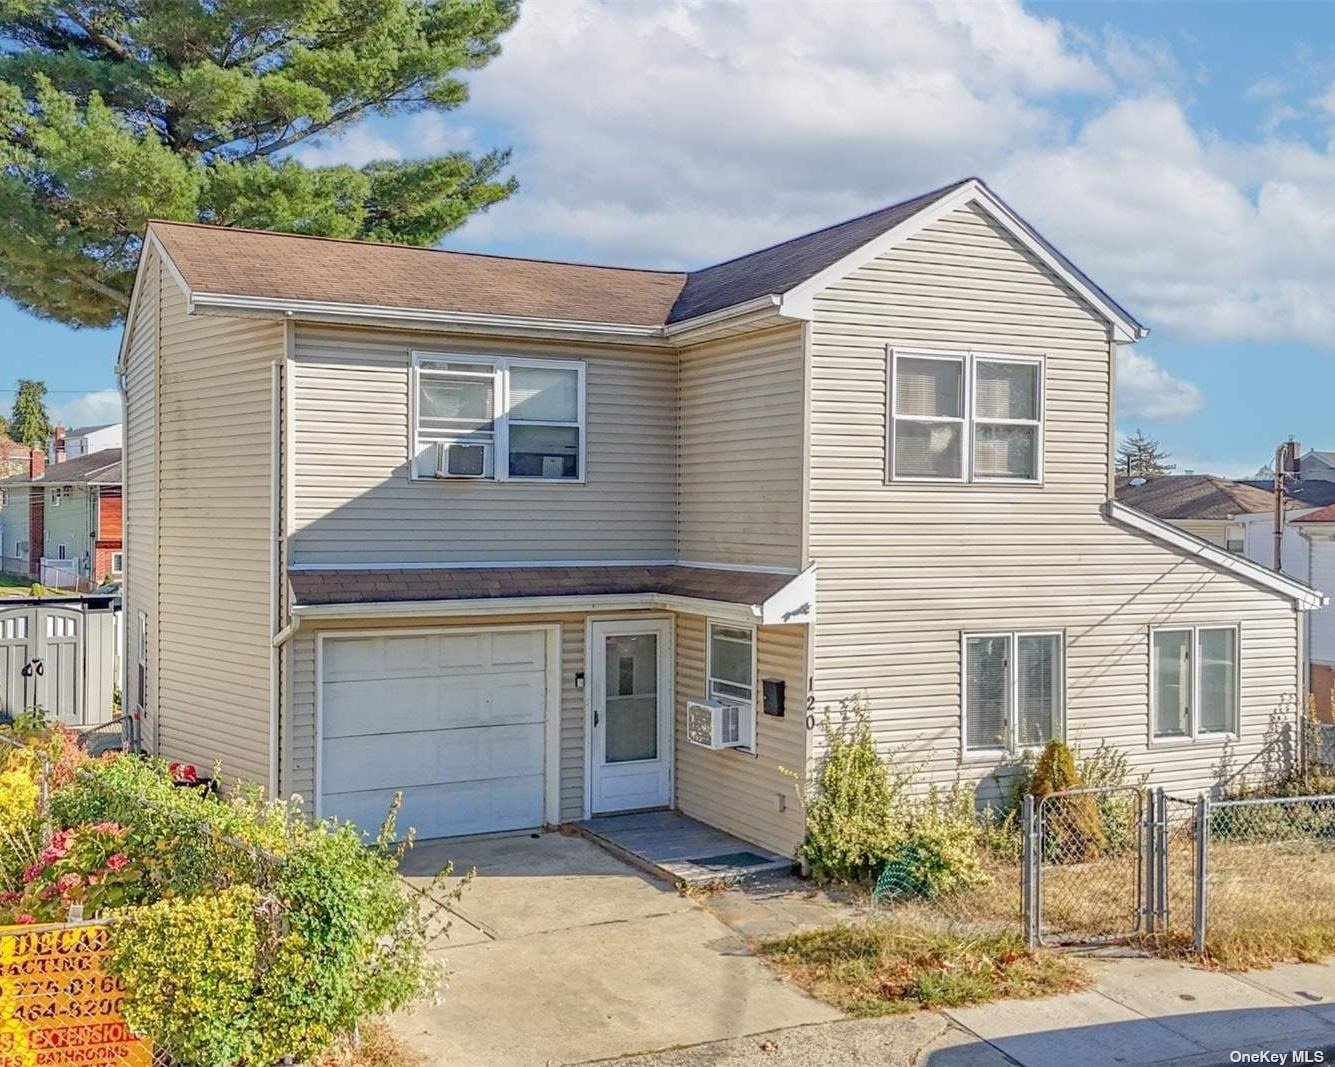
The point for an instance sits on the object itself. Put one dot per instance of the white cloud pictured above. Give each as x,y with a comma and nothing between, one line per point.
1146,391
679,132
91,409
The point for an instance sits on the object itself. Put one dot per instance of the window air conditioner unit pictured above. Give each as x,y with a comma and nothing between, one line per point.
455,459
713,725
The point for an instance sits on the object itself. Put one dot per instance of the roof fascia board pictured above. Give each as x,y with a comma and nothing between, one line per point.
527,606
370,314
701,326
1304,596
151,241
798,301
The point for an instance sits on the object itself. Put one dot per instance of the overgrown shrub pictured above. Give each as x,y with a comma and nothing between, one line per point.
853,810
1072,826
864,821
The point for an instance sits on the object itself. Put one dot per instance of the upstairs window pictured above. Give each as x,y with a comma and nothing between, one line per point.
498,419
959,417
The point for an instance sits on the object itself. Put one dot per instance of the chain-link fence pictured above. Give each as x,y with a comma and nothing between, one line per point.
1085,864
1268,872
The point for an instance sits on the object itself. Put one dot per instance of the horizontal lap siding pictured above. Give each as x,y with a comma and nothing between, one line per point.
740,452
740,791
215,538
140,488
903,569
299,747
354,502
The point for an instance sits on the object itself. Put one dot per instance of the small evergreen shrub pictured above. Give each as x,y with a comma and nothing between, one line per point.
1072,825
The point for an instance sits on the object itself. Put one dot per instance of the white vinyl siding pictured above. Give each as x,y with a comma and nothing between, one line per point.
905,568
215,594
741,450
354,502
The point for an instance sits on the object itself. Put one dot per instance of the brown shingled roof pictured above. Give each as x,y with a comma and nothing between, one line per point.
217,259
312,587
1326,514
1193,496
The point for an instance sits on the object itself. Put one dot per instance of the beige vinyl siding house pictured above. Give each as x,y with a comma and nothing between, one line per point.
538,542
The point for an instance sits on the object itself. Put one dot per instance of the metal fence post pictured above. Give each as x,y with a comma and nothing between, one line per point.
1149,859
1028,873
1202,868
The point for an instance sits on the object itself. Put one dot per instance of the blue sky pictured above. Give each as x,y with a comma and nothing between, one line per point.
1181,153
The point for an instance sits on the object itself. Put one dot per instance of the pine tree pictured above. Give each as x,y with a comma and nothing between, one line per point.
1144,456
116,111
29,424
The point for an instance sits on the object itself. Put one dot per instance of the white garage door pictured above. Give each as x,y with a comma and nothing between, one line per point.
454,720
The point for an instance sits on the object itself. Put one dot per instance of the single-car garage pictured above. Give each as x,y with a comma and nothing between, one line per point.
459,720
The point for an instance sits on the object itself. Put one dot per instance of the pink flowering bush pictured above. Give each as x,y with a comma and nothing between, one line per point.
85,865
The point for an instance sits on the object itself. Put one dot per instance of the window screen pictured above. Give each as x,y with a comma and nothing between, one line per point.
1218,701
929,418
1171,666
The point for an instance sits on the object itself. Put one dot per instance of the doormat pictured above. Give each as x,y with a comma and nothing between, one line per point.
730,861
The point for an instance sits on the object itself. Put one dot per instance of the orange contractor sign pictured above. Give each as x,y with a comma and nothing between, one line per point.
57,1006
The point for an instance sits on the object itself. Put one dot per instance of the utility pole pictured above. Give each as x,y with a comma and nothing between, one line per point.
1286,466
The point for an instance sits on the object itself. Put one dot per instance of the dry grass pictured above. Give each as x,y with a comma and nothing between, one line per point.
882,966
377,1047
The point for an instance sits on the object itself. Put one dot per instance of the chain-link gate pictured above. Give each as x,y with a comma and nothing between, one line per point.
1083,865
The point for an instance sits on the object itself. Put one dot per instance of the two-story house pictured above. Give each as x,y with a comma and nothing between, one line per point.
61,523
533,541
83,440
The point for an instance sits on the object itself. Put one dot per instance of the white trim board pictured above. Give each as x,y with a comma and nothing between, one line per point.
1304,597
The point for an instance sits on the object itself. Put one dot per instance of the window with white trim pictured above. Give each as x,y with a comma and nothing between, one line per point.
118,563
498,418
1014,690
966,416
1194,682
730,680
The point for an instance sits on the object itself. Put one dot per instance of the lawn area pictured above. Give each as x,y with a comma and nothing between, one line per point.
13,585
882,966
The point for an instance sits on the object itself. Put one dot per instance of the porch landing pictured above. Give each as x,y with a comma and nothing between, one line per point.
681,849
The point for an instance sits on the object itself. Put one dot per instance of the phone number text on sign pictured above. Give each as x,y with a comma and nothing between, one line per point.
57,1006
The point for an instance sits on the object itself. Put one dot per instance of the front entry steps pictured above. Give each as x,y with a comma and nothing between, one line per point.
680,849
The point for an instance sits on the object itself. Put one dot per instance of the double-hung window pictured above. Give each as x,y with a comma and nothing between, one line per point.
1014,690
498,418
1193,682
965,416
731,680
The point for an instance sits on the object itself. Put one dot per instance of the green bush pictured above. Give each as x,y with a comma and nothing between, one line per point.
864,821
1072,826
853,808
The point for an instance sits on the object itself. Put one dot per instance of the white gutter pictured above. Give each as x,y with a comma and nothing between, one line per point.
1307,598
412,609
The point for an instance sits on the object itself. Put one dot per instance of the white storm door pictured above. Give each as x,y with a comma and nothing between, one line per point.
630,714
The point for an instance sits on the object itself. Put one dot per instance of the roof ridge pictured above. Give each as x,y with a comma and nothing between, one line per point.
219,228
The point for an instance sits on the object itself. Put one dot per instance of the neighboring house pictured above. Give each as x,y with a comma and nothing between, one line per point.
524,539
1202,504
13,457
1317,466
1317,528
82,441
62,523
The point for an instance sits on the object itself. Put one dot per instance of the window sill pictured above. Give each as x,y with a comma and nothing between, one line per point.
1190,742
497,481
1008,483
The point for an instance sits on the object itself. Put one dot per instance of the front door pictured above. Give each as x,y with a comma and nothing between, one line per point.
630,714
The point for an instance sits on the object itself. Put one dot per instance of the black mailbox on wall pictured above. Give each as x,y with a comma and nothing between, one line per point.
773,690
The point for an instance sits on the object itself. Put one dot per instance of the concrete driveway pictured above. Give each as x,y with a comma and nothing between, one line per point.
560,953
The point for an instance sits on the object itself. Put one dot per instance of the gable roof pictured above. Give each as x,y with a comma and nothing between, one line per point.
228,268
1307,493
1192,496
79,431
102,467
1328,458
1326,514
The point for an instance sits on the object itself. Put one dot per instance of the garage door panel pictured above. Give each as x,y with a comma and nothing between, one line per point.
357,709
455,721
413,759
463,807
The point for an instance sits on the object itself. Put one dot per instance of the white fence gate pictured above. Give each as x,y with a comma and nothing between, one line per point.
58,655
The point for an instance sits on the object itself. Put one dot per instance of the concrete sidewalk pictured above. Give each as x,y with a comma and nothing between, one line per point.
1140,1011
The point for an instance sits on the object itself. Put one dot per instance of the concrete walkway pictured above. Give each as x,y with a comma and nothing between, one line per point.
1141,1011
562,953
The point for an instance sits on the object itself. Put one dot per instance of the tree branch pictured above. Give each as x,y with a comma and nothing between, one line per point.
109,43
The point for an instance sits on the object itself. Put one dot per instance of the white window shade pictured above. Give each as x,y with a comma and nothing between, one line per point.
456,403
539,394
1005,451
1038,681
931,387
987,693
1006,390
